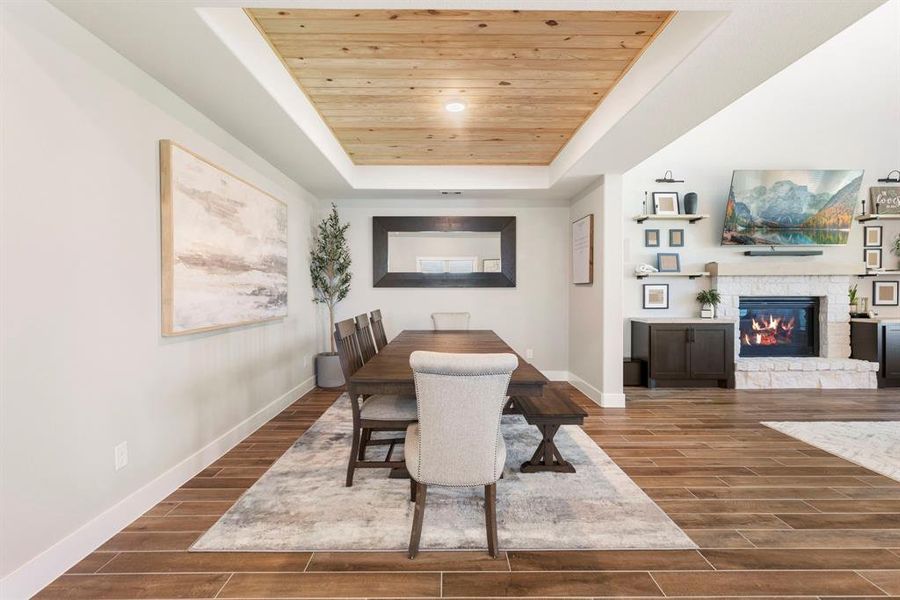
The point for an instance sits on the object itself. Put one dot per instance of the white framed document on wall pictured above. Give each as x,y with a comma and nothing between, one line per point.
583,250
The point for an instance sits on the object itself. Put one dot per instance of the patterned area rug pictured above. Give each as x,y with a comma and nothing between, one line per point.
874,445
301,502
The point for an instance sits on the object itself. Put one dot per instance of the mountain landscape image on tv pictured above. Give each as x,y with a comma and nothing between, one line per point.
791,208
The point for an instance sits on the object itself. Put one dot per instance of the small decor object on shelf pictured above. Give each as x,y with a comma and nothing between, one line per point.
853,296
885,200
668,262
676,238
651,238
491,265
329,269
709,300
691,203
872,236
886,293
656,295
666,203
895,246
872,256
644,269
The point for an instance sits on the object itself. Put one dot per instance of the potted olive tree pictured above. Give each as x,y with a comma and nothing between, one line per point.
709,300
329,268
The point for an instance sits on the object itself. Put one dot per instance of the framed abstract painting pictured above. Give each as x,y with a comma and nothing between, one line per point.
224,247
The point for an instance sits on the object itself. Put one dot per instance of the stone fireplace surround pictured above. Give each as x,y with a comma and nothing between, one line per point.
832,368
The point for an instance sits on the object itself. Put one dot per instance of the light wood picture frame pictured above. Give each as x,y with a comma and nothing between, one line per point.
872,258
666,203
872,236
886,293
583,250
656,296
224,246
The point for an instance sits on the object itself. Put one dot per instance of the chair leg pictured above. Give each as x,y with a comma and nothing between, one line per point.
490,517
354,451
412,489
418,515
363,442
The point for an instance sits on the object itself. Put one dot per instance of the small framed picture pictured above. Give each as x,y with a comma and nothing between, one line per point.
872,256
676,238
885,199
886,293
651,238
490,265
656,295
872,236
668,262
666,203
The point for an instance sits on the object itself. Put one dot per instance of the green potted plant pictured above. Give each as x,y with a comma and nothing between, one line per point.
895,246
854,299
329,268
709,300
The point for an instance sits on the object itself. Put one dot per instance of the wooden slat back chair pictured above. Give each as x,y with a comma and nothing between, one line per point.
457,441
378,330
373,413
364,335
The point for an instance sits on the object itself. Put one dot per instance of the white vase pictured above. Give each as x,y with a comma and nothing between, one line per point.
707,311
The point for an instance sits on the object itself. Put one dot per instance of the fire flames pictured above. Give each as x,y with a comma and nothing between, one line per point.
768,331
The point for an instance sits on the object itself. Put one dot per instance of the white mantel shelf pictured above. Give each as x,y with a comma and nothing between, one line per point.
780,268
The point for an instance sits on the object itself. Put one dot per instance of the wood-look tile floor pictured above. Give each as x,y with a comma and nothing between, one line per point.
773,517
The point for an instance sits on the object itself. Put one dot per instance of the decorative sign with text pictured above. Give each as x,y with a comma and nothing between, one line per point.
885,200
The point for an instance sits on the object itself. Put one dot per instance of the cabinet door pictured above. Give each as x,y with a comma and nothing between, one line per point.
668,352
891,351
709,353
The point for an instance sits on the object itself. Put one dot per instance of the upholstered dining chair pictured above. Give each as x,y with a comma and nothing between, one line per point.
378,329
457,441
364,335
373,413
450,320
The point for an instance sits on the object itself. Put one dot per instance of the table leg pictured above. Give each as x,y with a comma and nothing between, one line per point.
547,457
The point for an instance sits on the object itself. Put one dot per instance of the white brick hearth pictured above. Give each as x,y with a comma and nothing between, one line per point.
832,368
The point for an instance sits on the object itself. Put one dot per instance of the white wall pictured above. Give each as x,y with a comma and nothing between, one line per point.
534,314
838,107
83,364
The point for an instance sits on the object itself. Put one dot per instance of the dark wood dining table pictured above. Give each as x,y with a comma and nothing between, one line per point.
389,371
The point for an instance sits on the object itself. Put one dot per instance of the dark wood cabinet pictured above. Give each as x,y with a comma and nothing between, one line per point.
687,354
879,342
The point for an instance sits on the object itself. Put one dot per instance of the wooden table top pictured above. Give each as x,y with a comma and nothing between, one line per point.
391,365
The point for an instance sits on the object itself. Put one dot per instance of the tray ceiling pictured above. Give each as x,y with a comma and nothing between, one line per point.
381,79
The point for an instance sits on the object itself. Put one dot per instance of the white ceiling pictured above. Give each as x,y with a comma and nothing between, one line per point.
712,53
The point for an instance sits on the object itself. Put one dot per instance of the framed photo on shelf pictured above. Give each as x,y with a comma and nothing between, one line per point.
885,200
656,295
872,256
676,238
886,293
872,236
668,262
651,238
666,203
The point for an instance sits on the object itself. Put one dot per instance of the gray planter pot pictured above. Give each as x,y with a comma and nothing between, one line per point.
328,370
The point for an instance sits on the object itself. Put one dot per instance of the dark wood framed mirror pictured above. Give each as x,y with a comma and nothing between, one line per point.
444,251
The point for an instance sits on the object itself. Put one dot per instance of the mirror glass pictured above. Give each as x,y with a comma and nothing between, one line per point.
444,252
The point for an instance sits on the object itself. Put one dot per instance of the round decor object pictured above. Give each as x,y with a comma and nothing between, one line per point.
690,203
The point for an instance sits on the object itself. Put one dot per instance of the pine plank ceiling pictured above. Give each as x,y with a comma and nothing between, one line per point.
381,78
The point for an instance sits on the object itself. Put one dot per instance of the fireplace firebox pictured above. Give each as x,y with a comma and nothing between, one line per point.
779,326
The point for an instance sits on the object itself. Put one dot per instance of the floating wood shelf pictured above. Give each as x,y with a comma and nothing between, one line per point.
688,275
688,218
874,217
894,272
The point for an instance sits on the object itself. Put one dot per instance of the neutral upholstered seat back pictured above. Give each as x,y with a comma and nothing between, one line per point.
460,400
450,320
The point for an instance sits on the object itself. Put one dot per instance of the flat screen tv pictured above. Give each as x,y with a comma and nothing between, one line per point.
790,208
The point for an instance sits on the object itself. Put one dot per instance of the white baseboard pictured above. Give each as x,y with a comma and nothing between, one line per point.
34,575
556,375
604,399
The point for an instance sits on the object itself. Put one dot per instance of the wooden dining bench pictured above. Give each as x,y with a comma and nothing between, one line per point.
548,413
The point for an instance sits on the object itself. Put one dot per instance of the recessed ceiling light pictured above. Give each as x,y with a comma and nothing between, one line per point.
455,106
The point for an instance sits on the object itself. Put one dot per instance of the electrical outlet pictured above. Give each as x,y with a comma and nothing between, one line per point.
121,452
529,354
